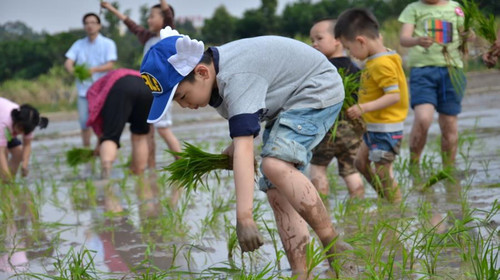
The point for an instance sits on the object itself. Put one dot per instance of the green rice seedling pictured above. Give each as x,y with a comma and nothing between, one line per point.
315,255
379,256
74,265
351,86
264,274
194,165
484,257
486,27
231,238
212,221
82,72
471,12
278,253
77,156
436,177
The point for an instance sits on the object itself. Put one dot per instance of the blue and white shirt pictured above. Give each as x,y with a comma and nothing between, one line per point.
101,51
257,78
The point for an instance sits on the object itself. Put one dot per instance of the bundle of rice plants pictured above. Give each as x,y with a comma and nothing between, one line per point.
351,86
436,177
471,11
77,156
193,166
82,72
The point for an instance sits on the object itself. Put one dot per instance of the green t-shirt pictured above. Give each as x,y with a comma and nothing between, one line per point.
440,22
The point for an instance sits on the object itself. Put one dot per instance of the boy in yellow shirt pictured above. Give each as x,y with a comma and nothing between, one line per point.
383,99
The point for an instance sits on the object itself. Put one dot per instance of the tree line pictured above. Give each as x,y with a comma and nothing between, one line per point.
27,54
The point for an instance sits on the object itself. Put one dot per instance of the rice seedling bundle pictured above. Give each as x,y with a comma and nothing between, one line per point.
194,165
351,86
441,175
77,156
81,72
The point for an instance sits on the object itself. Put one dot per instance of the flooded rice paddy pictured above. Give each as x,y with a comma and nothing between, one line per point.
65,223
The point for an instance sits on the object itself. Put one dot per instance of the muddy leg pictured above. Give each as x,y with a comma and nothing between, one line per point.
302,196
424,115
108,151
319,178
389,185
292,230
364,167
449,139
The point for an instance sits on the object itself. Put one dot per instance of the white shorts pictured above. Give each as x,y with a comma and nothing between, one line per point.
166,120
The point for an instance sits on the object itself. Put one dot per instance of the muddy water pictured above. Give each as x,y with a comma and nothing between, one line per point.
195,239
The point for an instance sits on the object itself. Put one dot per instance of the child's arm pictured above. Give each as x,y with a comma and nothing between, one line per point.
26,156
5,175
387,100
249,236
168,16
406,38
142,33
112,9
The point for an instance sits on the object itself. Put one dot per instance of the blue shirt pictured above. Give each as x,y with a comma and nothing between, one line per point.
101,51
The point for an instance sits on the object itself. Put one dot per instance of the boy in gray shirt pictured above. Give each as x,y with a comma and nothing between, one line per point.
281,81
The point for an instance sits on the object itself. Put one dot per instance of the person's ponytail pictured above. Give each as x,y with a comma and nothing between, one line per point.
43,122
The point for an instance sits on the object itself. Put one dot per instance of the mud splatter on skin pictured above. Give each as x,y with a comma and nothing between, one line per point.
293,241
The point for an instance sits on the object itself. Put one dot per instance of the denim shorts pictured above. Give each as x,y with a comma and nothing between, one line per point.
294,133
383,146
83,111
433,85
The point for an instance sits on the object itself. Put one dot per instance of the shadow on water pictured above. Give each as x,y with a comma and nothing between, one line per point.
130,229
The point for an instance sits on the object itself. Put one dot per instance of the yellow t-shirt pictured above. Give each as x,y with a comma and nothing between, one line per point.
384,74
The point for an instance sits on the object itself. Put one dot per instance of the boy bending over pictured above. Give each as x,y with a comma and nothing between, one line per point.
285,83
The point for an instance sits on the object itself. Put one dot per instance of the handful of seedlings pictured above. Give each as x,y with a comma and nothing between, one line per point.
194,165
81,72
77,156
351,83
436,177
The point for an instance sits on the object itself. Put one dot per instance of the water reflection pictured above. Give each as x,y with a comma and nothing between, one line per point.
123,245
23,238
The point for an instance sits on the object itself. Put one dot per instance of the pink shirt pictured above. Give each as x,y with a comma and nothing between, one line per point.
6,131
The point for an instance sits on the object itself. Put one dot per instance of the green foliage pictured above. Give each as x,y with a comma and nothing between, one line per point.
351,86
53,91
220,28
194,165
28,59
17,30
78,156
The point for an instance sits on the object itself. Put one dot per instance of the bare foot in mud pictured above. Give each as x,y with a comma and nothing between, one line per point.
343,264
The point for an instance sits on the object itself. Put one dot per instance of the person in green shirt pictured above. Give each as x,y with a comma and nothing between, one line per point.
432,29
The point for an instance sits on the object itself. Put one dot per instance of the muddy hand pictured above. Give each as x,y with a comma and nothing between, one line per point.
249,236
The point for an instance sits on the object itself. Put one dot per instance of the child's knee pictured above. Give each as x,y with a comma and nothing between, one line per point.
16,153
270,166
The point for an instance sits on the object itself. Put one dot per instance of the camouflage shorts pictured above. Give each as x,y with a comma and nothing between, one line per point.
344,147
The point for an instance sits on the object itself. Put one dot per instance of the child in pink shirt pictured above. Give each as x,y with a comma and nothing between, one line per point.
16,120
